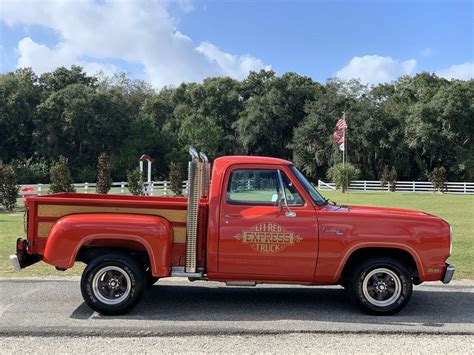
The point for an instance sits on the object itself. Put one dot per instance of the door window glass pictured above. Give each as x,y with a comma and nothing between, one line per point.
260,188
293,197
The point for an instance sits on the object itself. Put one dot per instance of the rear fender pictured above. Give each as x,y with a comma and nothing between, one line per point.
128,231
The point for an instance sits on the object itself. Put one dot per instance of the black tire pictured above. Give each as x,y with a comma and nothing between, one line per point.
381,286
112,283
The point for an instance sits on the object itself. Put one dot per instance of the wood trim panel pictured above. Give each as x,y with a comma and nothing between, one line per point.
64,210
44,228
179,235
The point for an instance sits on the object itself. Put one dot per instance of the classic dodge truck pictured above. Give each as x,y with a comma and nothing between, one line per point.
255,220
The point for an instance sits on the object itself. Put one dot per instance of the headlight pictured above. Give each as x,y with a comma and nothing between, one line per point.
450,239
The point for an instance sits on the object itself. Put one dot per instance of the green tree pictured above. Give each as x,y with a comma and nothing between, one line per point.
202,132
266,124
63,77
60,176
136,182
313,150
384,177
176,179
343,174
393,179
8,187
80,122
19,96
104,180
31,171
438,178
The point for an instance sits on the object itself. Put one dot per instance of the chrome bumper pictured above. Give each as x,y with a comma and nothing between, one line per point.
15,262
448,275
23,258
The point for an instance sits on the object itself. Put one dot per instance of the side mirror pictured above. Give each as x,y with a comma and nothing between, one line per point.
282,203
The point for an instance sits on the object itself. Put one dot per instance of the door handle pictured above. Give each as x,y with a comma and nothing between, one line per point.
231,215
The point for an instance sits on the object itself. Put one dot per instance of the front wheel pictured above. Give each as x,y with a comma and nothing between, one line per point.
112,283
381,286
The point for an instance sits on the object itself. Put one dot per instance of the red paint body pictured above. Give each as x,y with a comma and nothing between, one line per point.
311,248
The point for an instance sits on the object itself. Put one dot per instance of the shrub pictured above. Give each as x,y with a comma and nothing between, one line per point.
8,187
60,176
342,175
438,178
29,171
135,182
176,179
393,179
384,177
104,180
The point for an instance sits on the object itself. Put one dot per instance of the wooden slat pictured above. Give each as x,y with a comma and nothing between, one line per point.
64,210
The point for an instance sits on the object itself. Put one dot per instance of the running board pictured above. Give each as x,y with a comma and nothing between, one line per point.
241,283
179,271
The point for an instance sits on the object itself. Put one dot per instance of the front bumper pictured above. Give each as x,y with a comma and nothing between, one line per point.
22,258
448,275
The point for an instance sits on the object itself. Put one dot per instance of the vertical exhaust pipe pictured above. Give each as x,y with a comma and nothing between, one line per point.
205,175
194,194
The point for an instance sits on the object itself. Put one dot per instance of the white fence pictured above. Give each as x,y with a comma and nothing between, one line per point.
402,186
162,188
157,188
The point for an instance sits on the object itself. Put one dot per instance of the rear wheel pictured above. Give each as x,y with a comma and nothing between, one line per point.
112,283
381,286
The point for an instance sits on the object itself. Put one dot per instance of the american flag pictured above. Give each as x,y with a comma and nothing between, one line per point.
338,136
341,123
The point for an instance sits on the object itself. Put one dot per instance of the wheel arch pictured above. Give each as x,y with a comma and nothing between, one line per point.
77,237
357,255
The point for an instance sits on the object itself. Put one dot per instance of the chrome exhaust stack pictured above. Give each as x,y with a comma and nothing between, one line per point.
198,187
205,175
194,195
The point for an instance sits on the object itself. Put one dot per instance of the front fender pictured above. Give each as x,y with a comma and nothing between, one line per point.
137,232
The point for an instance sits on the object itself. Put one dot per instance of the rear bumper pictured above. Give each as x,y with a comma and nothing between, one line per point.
22,258
448,275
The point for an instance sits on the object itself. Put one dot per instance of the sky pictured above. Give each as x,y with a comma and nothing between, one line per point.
170,42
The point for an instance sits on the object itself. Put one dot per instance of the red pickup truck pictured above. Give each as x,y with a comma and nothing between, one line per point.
255,220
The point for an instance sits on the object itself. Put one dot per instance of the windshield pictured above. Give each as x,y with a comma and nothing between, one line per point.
315,195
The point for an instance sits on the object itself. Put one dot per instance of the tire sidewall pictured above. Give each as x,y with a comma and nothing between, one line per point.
358,280
127,265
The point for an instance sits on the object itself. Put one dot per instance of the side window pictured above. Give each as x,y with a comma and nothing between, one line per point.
253,187
293,197
260,188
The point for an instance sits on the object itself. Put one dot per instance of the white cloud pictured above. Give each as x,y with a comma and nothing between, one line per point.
374,69
139,32
231,65
460,71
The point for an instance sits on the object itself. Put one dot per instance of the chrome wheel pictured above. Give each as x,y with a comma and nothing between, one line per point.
111,285
381,287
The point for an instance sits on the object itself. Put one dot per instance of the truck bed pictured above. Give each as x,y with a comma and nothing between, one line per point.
45,210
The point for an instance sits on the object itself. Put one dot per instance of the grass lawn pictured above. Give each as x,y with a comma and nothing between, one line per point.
456,209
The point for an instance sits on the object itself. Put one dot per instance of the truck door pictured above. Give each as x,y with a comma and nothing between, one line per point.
258,236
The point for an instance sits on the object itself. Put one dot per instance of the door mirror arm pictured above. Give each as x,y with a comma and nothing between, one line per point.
282,201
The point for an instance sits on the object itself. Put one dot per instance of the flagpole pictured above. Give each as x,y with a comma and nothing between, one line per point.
344,140
344,150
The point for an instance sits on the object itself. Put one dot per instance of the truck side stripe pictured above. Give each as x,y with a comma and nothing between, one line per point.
64,210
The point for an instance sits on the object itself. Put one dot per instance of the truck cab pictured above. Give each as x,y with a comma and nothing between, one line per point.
251,220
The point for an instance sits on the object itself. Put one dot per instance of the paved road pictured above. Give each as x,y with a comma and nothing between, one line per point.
37,307
245,344
47,316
